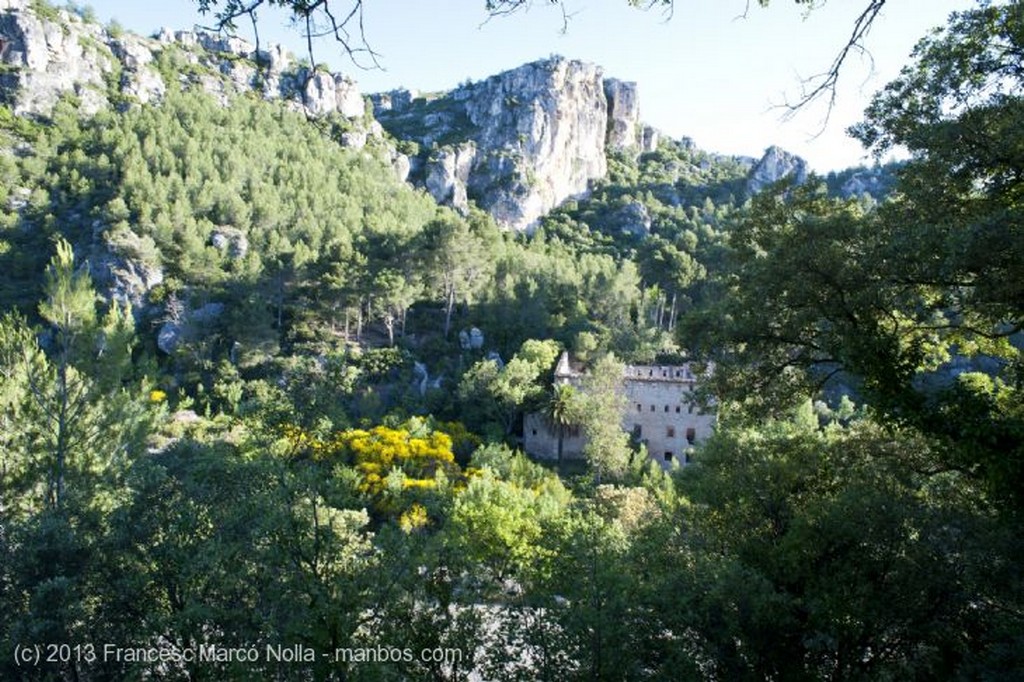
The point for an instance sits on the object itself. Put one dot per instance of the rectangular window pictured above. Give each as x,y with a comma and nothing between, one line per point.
677,409
668,456
691,435
652,408
666,408
671,432
637,431
638,407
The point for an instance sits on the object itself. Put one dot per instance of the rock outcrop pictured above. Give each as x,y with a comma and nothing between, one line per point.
775,165
124,265
876,182
649,139
633,218
540,135
393,101
46,55
192,324
447,175
230,240
326,93
139,80
623,113
42,59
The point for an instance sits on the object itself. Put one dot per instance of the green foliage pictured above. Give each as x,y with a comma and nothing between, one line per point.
409,123
498,525
44,10
494,398
898,297
833,545
64,403
599,413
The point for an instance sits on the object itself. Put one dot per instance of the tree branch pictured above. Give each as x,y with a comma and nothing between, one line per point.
825,84
318,20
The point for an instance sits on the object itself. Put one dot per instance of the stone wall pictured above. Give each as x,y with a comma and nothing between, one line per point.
662,413
541,441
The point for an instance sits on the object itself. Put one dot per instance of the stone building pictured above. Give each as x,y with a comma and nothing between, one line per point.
660,412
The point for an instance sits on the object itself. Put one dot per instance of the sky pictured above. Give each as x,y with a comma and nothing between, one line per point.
715,70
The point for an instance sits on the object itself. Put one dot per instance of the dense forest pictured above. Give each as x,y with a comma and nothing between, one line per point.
239,412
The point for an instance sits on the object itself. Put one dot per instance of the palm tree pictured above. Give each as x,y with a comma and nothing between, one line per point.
561,412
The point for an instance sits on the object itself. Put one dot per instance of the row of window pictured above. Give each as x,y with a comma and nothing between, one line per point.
654,408
666,373
670,432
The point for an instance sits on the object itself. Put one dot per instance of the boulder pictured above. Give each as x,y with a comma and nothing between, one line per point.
230,240
125,265
193,324
633,218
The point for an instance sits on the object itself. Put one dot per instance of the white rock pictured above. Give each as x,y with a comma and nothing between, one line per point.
623,113
540,132
447,174
775,165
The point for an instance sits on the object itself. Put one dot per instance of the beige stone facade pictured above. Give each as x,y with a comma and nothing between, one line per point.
660,412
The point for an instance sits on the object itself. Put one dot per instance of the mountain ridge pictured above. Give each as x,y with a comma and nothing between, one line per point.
517,144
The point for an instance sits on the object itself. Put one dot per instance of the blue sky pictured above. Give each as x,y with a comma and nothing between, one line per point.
707,72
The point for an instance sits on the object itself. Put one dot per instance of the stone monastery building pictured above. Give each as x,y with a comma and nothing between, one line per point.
660,412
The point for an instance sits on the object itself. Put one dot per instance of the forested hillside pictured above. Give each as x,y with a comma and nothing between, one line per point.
260,394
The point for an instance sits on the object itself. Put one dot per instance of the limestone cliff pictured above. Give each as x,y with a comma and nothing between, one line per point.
47,53
43,57
540,134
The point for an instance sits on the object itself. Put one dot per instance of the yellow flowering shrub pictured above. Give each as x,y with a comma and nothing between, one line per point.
413,518
378,451
390,461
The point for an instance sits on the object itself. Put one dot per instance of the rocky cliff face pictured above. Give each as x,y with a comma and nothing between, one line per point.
775,165
45,54
43,58
48,53
539,134
518,144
